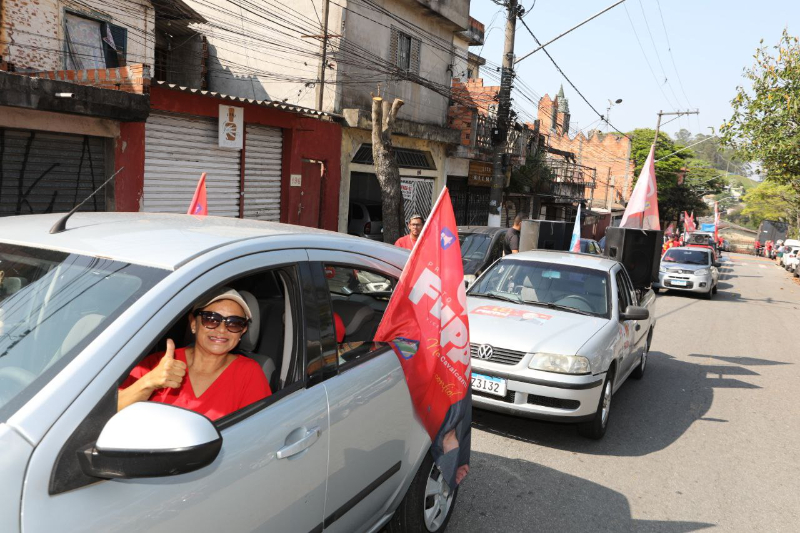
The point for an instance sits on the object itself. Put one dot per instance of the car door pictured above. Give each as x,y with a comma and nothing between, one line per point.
248,487
375,442
625,298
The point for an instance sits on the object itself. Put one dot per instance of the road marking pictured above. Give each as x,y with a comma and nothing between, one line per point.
761,266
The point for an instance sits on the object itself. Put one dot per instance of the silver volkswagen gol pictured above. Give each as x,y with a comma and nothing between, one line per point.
555,334
688,269
336,447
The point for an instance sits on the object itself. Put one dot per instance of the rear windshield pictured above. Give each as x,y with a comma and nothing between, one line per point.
375,212
52,304
474,245
687,257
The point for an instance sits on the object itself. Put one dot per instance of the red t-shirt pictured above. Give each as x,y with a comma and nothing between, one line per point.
405,242
240,384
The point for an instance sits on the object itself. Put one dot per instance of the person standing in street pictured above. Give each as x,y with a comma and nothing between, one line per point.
415,224
671,243
511,240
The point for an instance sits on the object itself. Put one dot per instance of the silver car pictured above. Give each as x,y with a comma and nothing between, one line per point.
554,334
335,448
688,269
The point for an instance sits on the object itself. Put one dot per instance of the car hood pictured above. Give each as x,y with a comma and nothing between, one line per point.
529,328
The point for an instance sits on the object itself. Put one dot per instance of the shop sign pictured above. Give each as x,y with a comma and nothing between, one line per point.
231,127
480,174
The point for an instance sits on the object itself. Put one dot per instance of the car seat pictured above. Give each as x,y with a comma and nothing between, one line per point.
250,340
357,318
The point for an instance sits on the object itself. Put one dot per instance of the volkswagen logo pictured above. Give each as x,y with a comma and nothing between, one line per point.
485,352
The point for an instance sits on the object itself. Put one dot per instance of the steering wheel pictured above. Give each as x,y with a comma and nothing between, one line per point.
584,303
12,380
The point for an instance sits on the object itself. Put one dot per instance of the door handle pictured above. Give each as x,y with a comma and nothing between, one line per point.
296,447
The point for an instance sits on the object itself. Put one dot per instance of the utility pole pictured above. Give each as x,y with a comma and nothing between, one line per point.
324,62
500,131
661,113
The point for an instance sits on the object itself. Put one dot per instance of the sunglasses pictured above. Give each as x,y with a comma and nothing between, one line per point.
212,320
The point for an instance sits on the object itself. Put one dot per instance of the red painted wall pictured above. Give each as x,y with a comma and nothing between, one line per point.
129,153
303,138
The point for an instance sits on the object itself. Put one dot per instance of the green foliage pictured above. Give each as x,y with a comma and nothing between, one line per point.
528,177
770,201
764,125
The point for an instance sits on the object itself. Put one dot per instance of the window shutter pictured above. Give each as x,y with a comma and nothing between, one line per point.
416,44
393,47
115,58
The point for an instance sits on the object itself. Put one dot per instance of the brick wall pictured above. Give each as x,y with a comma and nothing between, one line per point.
131,79
609,154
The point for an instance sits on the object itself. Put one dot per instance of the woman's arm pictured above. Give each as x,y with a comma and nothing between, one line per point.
168,373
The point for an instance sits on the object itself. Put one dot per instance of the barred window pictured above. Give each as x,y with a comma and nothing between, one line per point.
404,51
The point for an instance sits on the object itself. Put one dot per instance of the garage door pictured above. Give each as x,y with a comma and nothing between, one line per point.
262,172
178,149
43,172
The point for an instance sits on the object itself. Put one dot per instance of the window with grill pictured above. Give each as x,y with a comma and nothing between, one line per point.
404,51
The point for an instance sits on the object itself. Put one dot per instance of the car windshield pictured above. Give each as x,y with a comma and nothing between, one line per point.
551,285
686,257
474,245
52,304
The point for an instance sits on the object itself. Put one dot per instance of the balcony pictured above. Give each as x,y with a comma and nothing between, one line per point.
474,34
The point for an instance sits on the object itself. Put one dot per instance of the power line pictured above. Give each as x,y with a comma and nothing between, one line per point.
672,57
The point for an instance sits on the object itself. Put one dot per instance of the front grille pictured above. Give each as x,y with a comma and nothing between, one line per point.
508,398
555,403
499,355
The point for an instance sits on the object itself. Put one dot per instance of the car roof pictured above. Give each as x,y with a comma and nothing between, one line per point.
489,230
592,261
694,248
168,240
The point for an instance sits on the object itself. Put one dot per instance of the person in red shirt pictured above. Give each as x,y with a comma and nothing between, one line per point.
415,224
207,377
671,243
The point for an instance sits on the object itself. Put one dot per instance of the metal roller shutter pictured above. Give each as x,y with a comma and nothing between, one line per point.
178,149
42,172
262,172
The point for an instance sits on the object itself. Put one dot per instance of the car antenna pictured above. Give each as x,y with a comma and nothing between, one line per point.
61,224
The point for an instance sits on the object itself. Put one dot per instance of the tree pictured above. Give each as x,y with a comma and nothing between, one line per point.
383,118
770,201
764,125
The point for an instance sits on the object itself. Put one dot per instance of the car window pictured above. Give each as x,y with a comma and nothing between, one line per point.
375,212
623,292
271,340
498,247
52,304
358,300
687,256
474,245
356,212
546,285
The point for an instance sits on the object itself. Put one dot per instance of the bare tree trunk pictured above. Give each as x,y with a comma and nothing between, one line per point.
383,117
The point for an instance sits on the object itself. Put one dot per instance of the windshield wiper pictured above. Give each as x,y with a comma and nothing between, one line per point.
551,305
497,296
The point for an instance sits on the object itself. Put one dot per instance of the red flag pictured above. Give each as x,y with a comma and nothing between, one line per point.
642,209
670,229
426,324
688,222
199,205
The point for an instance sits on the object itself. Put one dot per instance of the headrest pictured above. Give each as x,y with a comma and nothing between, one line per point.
250,337
353,314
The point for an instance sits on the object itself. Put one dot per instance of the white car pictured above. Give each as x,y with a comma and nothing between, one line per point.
554,334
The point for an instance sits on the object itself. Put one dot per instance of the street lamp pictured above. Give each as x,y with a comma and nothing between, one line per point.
608,109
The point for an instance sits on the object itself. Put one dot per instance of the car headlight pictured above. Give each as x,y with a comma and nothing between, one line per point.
701,272
562,364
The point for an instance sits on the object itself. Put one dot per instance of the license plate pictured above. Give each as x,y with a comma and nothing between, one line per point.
679,282
489,384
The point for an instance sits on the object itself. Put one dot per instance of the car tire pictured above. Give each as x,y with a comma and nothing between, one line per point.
708,295
715,289
416,512
596,427
638,373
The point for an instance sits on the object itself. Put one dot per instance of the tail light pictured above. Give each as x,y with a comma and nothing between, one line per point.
367,227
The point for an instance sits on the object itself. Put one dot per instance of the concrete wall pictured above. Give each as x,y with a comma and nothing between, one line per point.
353,138
32,32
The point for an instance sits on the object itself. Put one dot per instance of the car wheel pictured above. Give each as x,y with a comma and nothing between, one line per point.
428,504
639,372
708,294
596,427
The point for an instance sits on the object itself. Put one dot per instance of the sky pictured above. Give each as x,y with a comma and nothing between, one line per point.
711,42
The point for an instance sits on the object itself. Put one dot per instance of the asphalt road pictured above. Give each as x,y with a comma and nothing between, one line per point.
708,439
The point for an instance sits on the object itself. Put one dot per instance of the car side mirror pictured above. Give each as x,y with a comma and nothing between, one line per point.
150,439
634,312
